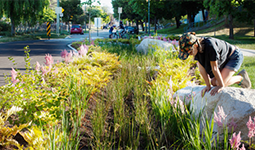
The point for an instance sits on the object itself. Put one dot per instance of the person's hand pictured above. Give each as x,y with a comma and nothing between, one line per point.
216,90
206,89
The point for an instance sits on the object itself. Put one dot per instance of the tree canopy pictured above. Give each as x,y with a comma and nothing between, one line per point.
22,11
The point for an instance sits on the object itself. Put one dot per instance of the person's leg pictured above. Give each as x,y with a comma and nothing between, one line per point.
228,78
234,64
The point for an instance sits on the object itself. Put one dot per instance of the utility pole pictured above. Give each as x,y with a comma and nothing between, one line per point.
85,17
89,26
57,29
149,15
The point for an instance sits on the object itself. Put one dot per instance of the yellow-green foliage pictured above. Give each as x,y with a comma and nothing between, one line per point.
34,138
177,70
7,133
40,95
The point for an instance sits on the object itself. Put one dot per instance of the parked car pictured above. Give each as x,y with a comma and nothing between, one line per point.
131,29
106,26
76,29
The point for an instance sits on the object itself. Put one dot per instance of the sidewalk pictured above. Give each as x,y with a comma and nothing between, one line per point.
248,52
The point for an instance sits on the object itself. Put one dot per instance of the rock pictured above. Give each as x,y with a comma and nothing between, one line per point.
237,103
147,44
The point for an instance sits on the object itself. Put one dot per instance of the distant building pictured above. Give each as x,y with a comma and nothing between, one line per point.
199,16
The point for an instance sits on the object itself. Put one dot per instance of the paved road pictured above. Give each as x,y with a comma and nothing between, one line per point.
38,50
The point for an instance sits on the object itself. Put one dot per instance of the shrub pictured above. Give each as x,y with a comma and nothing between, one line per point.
4,26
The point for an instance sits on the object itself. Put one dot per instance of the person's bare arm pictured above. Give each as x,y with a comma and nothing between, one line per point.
217,75
205,77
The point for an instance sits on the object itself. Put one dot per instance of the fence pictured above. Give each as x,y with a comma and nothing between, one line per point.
194,26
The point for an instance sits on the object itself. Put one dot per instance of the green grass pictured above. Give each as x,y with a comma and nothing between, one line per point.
17,38
248,65
32,36
53,35
173,30
243,34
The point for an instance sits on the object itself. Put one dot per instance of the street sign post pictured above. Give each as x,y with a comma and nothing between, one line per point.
97,22
48,30
58,11
119,11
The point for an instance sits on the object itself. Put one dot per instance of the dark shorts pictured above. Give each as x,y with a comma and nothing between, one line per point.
235,60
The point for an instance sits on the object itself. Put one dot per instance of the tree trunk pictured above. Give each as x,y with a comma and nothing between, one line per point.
231,30
13,24
137,26
142,25
155,24
203,14
254,26
177,21
146,27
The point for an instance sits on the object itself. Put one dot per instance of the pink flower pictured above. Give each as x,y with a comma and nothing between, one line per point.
221,113
64,54
232,124
69,56
37,67
83,50
242,148
159,38
76,54
164,39
217,119
56,70
235,141
49,60
174,42
14,75
251,126
44,70
169,41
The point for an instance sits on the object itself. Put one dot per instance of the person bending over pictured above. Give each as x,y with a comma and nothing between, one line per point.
217,61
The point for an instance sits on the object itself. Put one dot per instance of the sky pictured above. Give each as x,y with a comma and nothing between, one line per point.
107,3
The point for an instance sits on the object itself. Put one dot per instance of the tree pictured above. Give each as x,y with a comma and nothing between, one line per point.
246,12
226,7
48,15
72,10
18,10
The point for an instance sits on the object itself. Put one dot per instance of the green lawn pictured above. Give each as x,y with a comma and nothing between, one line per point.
32,36
243,34
248,65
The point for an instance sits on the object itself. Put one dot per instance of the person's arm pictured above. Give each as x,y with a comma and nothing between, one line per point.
204,74
206,79
217,75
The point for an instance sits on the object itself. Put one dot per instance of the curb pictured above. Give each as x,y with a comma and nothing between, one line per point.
72,48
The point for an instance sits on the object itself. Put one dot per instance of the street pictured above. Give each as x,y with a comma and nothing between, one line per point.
38,49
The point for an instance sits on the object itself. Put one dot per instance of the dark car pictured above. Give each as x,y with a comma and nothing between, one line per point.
105,26
131,29
76,29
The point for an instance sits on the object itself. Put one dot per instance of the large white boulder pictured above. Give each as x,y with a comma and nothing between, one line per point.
237,103
149,44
